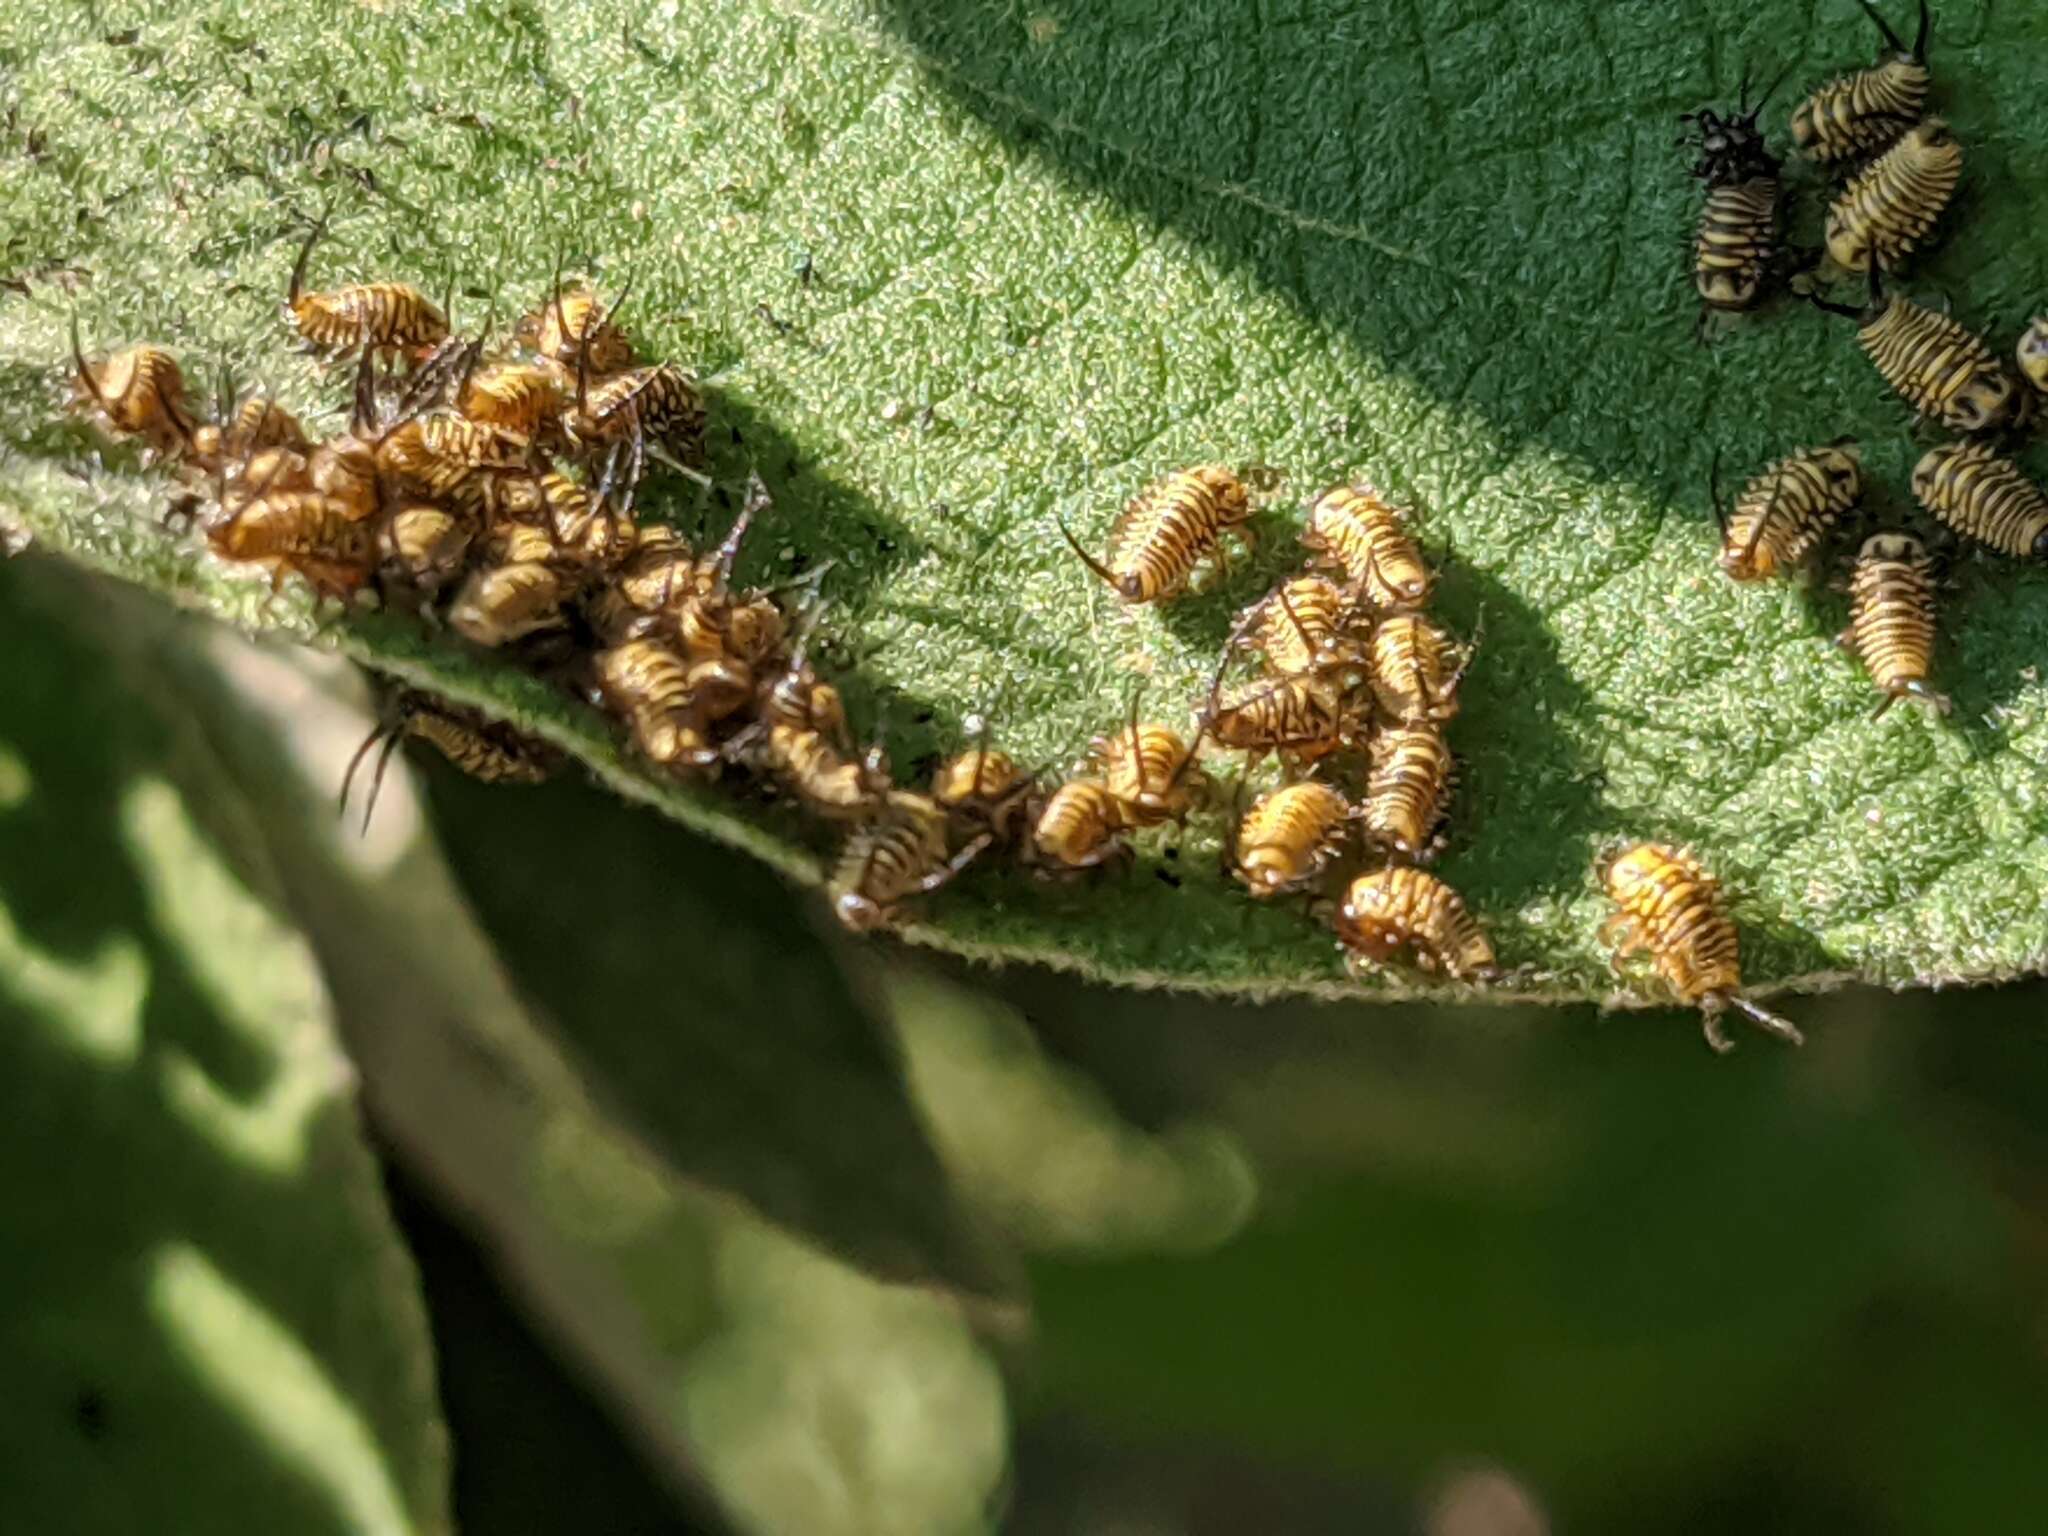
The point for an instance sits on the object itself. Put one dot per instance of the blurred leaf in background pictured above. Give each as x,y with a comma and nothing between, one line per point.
207,1320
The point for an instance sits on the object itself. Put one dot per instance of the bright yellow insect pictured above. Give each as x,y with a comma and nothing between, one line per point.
1671,907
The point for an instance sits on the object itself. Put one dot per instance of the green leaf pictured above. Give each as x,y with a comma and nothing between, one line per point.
208,1320
1053,254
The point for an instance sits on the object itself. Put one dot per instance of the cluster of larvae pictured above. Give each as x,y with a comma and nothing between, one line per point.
1353,687
1904,167
489,487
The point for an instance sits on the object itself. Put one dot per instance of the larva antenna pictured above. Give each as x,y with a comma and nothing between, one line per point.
1093,564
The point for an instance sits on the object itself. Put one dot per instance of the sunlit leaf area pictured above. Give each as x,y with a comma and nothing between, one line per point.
531,1158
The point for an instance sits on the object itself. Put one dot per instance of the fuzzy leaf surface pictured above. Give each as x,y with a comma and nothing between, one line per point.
952,269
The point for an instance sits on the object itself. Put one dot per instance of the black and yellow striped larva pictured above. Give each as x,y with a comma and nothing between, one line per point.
655,570
1670,906
648,685
1149,771
2032,354
520,398
1410,785
658,410
983,787
303,531
257,424
1303,718
900,855
1932,363
1861,113
438,453
1289,837
1305,624
264,471
425,545
572,324
829,783
1079,827
1168,529
1891,619
505,602
1786,509
1886,212
1403,911
583,528
1983,495
1416,670
482,748
1735,244
372,318
1356,530
136,392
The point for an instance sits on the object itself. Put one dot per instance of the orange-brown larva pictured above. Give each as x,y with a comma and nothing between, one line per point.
1401,910
1787,508
1669,906
1366,537
1168,529
1287,839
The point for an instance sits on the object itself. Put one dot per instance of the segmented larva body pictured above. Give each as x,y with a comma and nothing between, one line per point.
1302,718
978,774
1891,618
899,855
1860,113
345,468
495,754
426,543
1937,367
138,392
258,425
301,531
1669,906
522,544
503,603
513,397
716,625
802,700
266,470
1078,826
294,525
985,787
649,686
1169,528
1305,625
1983,495
1148,771
1412,772
1289,837
1415,675
385,317
2032,354
584,530
1889,208
557,330
1366,537
832,785
438,453
662,403
1736,243
1786,510
1402,909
